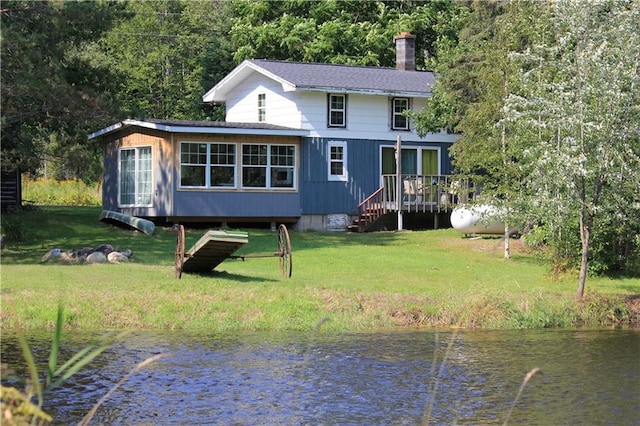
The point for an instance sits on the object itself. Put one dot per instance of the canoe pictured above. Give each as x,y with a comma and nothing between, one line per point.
120,219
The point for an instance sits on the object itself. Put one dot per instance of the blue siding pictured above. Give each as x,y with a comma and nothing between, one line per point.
321,196
236,204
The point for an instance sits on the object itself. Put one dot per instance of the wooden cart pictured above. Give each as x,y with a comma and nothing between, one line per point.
214,247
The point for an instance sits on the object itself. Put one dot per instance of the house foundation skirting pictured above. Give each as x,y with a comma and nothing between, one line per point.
324,222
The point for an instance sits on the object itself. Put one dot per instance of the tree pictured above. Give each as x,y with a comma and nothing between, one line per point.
341,32
160,49
51,94
542,94
476,75
581,97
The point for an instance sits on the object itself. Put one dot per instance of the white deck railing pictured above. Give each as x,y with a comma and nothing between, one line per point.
423,193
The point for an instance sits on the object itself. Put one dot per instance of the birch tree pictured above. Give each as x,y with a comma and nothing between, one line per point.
580,102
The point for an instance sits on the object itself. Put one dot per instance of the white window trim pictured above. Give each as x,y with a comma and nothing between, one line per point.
343,110
137,170
394,114
419,165
268,167
262,107
345,173
208,165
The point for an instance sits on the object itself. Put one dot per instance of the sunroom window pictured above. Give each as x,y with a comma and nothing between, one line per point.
268,166
134,176
207,165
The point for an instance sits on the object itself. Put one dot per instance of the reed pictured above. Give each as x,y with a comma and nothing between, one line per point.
18,406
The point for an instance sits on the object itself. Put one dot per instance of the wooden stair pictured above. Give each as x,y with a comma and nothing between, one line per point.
369,211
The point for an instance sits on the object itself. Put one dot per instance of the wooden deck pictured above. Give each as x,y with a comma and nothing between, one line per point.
433,194
212,249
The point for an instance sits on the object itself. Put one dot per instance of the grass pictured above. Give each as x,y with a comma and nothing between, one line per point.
357,281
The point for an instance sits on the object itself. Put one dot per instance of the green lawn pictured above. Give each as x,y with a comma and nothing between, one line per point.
357,281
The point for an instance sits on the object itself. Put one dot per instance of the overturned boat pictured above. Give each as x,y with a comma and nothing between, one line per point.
124,220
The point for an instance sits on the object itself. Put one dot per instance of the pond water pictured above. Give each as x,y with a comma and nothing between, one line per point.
390,378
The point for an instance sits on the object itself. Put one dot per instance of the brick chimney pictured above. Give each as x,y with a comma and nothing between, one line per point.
405,51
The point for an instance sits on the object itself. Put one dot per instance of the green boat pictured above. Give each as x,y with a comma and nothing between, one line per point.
120,219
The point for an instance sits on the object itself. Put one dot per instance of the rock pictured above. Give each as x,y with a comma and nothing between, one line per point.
102,254
97,257
85,251
68,258
51,255
117,257
105,248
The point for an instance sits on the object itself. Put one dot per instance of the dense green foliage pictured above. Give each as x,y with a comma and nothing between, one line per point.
70,68
545,97
51,92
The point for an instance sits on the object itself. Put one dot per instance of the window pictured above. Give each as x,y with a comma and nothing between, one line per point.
268,166
207,165
135,176
415,161
262,107
337,111
400,121
337,154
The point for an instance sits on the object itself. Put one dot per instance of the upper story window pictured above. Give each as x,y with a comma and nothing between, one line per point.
337,153
398,119
337,111
262,107
134,176
207,165
268,166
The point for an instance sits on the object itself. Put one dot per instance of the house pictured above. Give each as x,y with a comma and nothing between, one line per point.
303,143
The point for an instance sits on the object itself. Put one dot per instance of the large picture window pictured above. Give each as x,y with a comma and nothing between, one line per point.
207,165
337,111
268,166
337,153
135,183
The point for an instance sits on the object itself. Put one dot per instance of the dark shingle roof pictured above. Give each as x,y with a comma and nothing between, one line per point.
350,78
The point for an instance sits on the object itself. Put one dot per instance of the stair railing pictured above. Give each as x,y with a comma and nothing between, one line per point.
370,209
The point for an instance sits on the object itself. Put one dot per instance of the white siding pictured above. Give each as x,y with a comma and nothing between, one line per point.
281,109
368,116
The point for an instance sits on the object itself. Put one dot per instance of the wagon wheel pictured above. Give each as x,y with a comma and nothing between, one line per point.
284,251
179,251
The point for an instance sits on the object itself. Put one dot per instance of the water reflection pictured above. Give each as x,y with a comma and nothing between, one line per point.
589,377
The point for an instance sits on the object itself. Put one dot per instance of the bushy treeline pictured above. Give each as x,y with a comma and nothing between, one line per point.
70,68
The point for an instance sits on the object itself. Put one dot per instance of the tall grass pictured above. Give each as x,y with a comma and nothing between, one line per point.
50,192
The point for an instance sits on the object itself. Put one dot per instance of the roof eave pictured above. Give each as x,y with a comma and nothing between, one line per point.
196,129
218,93
364,91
